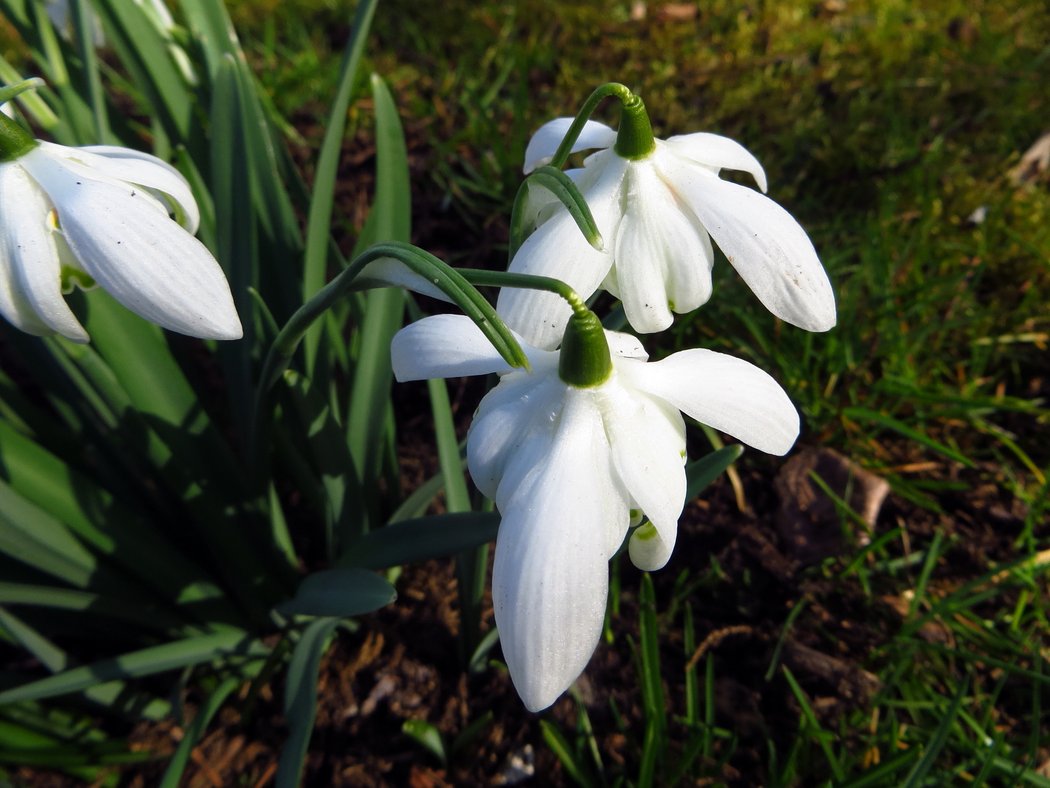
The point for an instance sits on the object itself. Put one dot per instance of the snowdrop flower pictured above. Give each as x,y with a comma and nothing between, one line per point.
107,215
569,450
657,205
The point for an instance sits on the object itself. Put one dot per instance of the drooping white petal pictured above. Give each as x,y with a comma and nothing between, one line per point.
545,142
650,548
390,272
443,346
723,392
550,577
766,246
647,438
718,153
558,249
146,170
663,258
507,418
14,306
33,258
133,250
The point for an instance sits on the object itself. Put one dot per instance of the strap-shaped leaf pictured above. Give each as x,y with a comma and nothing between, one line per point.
318,224
702,472
339,593
300,698
411,541
145,662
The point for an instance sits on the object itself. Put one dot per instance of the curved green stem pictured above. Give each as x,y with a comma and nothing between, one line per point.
478,276
602,92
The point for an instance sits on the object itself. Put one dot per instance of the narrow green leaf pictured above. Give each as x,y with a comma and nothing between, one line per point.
649,658
890,423
145,53
339,593
412,541
318,225
145,662
300,698
177,765
389,220
33,537
563,752
933,748
428,736
235,230
702,472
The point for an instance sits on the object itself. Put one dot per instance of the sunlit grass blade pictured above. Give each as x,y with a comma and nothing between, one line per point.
811,724
300,698
933,748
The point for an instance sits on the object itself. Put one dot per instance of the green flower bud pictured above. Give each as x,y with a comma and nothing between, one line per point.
14,140
634,139
585,361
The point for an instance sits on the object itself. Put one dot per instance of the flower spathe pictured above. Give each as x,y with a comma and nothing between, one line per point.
121,218
657,215
566,465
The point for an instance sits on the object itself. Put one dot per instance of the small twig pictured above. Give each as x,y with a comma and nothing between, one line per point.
714,639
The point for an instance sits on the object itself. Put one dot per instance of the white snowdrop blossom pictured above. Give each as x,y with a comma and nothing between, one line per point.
567,465
112,216
657,215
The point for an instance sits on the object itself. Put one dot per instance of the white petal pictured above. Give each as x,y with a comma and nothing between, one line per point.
550,576
767,247
717,152
558,249
647,438
650,548
545,142
13,304
390,272
726,393
509,416
147,262
663,258
444,346
34,274
625,345
146,170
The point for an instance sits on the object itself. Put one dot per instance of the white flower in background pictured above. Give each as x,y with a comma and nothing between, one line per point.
566,465
113,215
657,215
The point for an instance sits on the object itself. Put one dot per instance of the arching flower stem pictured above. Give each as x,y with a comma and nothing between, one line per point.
635,137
